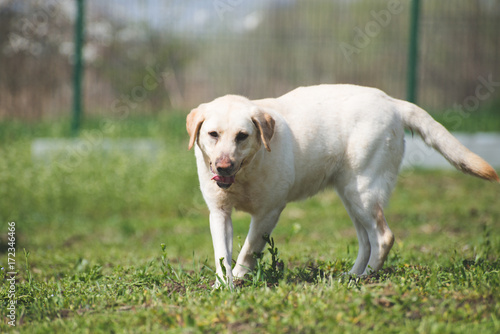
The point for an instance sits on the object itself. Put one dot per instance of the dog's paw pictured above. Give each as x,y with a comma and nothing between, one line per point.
239,272
222,284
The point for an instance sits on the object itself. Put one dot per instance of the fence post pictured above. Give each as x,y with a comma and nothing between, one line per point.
78,68
412,78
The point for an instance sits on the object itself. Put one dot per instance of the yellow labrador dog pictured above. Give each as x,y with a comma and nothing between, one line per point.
256,156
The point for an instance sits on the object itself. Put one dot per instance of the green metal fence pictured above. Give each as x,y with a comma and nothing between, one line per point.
151,56
78,67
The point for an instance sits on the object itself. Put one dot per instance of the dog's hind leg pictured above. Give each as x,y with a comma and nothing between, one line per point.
381,240
365,183
364,203
363,240
363,250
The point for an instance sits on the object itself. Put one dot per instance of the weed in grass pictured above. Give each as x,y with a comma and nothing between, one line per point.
485,248
28,272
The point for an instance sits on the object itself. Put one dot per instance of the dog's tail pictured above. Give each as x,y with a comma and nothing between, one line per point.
436,136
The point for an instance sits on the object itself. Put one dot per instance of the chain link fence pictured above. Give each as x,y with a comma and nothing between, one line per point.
149,56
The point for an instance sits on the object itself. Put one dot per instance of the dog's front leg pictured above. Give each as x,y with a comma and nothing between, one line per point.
261,225
221,228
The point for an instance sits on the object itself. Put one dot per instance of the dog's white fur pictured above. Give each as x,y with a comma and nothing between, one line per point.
279,150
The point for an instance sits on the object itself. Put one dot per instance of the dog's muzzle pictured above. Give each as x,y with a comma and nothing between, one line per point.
223,181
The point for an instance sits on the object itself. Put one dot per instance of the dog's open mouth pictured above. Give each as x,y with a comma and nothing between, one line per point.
223,182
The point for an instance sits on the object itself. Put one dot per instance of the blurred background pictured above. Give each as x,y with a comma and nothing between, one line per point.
152,56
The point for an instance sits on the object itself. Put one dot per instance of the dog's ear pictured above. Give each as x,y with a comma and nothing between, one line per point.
193,124
265,124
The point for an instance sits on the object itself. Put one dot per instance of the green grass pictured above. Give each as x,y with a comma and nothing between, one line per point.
123,245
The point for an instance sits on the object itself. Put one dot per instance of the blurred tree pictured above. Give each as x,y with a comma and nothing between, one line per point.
32,69
139,56
126,61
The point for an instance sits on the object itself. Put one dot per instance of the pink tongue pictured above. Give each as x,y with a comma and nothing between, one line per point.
224,179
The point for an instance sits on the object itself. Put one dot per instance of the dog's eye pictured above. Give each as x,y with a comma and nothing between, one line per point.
241,136
214,134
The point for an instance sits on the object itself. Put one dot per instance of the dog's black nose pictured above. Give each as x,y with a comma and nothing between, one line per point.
225,171
224,166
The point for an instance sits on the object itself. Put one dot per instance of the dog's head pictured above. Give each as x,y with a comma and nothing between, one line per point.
229,131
